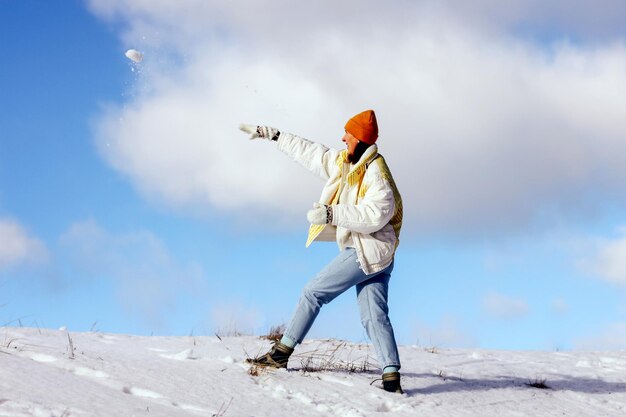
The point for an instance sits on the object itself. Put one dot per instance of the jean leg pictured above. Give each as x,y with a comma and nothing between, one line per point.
372,299
342,273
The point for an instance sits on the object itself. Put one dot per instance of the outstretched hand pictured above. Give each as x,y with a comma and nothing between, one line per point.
263,132
249,129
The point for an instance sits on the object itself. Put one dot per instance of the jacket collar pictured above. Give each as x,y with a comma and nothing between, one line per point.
368,156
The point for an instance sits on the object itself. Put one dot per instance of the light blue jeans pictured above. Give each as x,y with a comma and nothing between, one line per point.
371,291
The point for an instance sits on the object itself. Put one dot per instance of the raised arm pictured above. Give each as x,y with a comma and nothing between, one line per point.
315,157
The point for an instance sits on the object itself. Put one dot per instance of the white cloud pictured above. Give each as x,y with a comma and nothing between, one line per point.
606,259
148,279
611,337
505,307
484,131
235,317
559,306
17,246
576,18
447,333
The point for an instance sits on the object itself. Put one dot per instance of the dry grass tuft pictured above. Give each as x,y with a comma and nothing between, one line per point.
538,383
275,333
330,360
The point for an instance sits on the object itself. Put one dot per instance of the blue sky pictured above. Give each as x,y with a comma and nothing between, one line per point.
130,202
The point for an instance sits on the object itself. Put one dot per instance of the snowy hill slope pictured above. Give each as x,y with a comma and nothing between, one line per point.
120,375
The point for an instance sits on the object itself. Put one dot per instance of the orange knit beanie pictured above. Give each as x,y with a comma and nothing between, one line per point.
363,126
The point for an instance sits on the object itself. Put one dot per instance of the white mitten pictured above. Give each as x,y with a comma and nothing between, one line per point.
320,214
264,132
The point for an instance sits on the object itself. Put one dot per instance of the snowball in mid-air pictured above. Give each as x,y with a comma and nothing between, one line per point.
134,55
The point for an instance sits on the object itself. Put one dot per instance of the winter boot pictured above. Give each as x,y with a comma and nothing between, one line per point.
277,357
391,382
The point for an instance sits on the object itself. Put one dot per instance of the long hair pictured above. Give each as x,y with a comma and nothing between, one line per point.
360,149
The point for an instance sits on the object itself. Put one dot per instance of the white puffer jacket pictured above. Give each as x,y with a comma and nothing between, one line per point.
368,200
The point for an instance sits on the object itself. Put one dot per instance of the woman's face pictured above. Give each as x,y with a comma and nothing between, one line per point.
350,142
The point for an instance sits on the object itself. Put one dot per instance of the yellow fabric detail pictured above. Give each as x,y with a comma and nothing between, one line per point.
358,172
356,175
316,229
362,191
396,220
343,157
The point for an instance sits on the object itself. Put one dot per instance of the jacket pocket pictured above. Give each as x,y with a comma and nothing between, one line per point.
379,247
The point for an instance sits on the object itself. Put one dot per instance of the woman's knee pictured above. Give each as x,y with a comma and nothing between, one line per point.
374,314
313,295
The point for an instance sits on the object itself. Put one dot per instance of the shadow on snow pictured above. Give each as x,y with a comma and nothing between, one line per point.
449,384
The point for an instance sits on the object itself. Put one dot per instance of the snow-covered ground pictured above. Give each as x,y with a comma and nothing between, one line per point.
121,375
